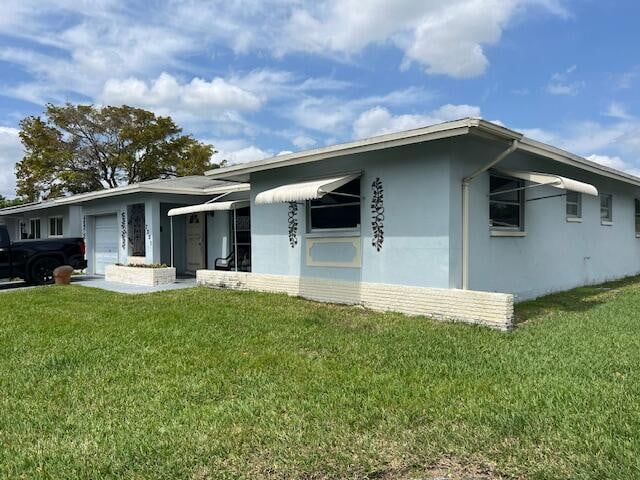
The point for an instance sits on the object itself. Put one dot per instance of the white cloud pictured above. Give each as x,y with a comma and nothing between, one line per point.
616,163
445,37
303,142
199,98
11,151
616,145
562,83
333,115
105,39
617,110
237,151
379,120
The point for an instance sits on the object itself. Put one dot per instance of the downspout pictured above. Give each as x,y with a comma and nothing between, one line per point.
466,182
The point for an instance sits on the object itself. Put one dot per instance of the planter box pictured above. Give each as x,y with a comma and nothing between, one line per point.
140,275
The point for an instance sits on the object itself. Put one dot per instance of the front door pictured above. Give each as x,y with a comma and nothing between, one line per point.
195,242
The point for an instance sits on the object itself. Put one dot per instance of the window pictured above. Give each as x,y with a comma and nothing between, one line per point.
34,228
23,231
574,205
506,203
637,203
338,210
606,208
55,227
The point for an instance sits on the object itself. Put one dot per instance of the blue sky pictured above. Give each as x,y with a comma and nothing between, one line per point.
257,78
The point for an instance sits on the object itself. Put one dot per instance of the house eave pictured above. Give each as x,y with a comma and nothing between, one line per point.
125,190
474,126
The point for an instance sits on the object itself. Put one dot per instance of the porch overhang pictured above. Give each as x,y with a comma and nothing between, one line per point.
208,207
551,180
299,192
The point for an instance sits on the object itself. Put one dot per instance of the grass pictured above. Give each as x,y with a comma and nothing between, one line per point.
206,383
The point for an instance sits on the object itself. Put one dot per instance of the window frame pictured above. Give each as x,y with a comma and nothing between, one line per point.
311,231
578,204
609,219
31,223
521,203
56,234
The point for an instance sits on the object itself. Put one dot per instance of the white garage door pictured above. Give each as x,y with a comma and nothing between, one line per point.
106,242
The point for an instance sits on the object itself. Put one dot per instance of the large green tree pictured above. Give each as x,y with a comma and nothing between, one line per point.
81,148
6,202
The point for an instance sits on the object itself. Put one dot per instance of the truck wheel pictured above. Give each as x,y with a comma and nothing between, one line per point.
41,271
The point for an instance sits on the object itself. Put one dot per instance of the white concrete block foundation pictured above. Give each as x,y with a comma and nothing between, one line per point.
494,310
140,275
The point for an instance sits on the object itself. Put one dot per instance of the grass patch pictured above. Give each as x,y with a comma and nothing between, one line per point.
204,383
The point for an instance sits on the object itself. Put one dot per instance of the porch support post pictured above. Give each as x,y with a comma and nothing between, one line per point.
171,229
235,241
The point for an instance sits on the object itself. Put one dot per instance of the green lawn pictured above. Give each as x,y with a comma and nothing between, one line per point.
203,383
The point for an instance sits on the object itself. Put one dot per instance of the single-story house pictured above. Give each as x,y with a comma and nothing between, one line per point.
131,224
456,220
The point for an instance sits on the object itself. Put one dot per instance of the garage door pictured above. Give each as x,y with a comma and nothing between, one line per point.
106,242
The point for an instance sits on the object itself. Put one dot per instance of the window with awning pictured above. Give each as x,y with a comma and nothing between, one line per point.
303,191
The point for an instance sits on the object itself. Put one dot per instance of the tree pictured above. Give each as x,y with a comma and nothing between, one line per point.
6,202
81,148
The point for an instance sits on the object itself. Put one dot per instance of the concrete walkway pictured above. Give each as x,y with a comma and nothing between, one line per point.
100,282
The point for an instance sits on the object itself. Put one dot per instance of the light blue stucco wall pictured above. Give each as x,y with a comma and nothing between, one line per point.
423,224
416,200
71,221
555,255
157,225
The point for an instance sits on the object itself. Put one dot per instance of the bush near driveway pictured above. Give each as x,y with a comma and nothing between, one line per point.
204,383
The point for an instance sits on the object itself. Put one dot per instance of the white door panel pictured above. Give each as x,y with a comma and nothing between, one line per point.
195,242
106,242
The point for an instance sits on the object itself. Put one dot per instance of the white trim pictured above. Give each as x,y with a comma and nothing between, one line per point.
62,225
208,207
356,242
152,186
606,223
475,126
30,231
574,219
508,233
431,132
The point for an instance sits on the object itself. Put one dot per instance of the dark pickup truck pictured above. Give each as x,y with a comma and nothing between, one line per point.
35,260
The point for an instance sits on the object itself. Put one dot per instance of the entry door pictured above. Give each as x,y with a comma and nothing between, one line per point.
195,242
106,242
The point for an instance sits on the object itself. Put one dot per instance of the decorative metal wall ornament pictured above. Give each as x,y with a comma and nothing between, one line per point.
377,214
136,224
123,230
293,224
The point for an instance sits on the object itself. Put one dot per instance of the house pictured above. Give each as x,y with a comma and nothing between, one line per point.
456,220
130,224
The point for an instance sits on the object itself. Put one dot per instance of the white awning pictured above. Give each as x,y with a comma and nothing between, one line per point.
298,192
555,181
208,207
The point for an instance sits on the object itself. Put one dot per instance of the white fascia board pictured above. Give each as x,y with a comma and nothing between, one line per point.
567,158
434,132
124,190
